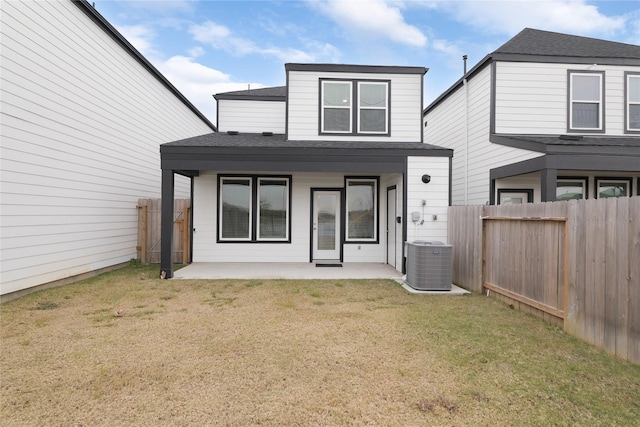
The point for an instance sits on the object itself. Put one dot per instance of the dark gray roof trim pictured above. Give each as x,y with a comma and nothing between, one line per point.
256,152
572,144
346,68
277,93
92,13
531,45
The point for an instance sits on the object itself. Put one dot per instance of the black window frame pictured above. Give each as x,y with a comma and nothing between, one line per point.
254,208
527,191
376,227
354,108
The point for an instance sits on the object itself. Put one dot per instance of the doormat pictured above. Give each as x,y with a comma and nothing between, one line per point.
328,265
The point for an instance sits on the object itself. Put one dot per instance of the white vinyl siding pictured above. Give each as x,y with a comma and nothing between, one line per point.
405,104
82,122
206,248
251,116
461,122
532,98
435,194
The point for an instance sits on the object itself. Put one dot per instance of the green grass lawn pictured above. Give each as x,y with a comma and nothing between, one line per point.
126,348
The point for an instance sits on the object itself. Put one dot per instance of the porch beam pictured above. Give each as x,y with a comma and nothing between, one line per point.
166,225
548,184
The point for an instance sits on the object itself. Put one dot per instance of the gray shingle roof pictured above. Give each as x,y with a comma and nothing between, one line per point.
579,141
533,45
274,93
256,140
537,42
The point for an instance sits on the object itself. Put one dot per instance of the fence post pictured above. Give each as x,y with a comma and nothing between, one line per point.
142,219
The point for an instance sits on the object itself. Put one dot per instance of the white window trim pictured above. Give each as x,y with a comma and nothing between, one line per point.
385,108
375,210
629,103
599,102
609,181
221,208
324,107
287,216
582,180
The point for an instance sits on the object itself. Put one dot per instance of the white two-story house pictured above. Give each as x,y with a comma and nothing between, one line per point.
545,117
331,167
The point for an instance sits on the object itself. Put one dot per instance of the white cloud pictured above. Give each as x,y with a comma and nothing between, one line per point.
510,17
198,82
373,19
221,37
139,36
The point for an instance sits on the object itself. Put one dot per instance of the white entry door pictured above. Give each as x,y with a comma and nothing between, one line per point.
326,225
391,226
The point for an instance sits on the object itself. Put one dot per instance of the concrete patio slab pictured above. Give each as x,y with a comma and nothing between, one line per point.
297,270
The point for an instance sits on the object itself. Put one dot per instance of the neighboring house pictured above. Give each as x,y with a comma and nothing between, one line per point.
83,116
330,168
545,117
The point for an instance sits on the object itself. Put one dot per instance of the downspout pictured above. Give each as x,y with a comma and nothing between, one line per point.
466,141
466,132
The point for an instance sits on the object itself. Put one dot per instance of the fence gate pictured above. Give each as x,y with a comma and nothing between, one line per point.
149,222
525,260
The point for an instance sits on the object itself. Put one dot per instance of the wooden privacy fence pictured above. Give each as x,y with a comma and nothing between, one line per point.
573,263
149,218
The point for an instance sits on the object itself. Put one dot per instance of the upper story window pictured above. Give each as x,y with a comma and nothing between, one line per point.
633,102
354,107
586,93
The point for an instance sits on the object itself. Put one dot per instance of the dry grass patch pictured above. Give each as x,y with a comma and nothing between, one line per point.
127,348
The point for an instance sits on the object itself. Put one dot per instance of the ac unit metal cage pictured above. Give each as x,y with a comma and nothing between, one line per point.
429,265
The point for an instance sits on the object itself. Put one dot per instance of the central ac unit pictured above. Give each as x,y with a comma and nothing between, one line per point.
429,266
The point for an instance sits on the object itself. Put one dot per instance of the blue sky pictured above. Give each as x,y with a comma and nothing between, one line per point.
206,47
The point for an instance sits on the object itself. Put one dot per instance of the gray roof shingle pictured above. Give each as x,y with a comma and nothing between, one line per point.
257,140
537,42
273,93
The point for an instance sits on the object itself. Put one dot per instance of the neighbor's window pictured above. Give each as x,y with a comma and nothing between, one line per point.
571,188
585,99
613,187
260,215
354,107
362,215
633,103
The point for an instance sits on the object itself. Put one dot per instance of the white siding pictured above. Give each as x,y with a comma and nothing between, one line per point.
304,103
205,248
435,194
251,116
82,122
529,181
531,98
461,122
